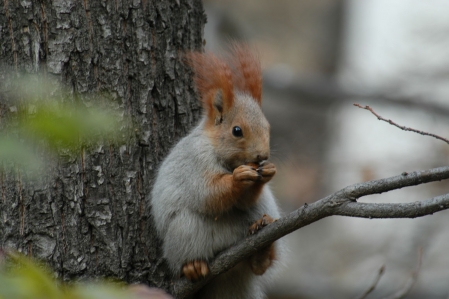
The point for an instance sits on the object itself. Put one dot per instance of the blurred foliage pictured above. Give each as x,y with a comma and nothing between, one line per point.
44,118
15,152
22,278
68,125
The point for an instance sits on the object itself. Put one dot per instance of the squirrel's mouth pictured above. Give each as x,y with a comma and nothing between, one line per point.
234,163
262,163
256,162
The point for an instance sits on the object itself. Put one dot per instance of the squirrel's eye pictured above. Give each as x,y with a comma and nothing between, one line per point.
237,131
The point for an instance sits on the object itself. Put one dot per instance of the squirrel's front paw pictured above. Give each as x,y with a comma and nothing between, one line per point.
246,173
266,171
195,270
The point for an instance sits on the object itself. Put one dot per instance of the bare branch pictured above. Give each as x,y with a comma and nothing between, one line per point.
410,282
374,284
399,126
341,203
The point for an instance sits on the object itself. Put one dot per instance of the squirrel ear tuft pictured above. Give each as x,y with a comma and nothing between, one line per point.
247,69
213,82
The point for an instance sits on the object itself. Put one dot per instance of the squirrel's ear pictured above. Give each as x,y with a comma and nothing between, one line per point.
218,101
218,104
213,82
248,72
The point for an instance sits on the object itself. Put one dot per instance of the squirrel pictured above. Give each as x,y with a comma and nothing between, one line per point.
210,191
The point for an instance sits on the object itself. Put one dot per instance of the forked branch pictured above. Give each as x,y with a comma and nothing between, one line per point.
343,203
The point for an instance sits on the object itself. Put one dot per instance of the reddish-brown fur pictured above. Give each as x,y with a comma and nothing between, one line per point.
228,193
242,72
211,75
222,200
248,69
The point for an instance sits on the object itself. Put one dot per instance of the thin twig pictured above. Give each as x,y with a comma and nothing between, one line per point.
410,282
374,284
399,126
343,203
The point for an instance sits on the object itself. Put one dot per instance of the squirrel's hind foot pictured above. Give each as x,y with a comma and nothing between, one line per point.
195,270
262,260
259,224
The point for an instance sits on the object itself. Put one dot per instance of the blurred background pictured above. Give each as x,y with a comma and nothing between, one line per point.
320,57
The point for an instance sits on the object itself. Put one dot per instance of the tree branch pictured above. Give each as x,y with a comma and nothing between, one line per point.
343,203
399,126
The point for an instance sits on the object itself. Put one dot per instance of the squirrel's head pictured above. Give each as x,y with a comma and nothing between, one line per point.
231,95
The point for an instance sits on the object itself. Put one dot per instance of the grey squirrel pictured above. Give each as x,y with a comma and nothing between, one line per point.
210,191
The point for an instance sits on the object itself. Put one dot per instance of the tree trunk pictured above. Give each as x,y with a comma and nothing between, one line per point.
89,216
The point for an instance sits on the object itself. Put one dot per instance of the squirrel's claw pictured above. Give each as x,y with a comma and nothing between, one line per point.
246,173
195,270
259,224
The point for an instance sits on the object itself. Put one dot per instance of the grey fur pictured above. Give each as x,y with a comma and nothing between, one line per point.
187,230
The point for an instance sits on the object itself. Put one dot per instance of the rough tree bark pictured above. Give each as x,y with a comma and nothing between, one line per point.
88,216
